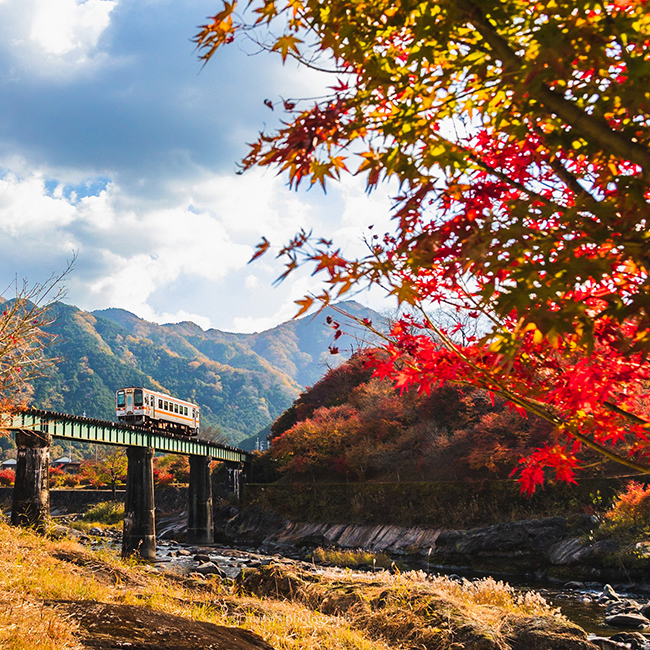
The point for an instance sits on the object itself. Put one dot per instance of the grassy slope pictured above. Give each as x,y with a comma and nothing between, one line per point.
332,612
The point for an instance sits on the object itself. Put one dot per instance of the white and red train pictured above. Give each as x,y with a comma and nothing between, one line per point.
149,408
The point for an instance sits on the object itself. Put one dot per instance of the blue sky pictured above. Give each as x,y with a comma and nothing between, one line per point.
116,144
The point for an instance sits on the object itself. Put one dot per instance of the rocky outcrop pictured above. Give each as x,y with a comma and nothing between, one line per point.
429,613
554,548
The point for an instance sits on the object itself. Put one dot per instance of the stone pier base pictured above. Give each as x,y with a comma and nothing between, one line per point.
200,529
31,501
139,520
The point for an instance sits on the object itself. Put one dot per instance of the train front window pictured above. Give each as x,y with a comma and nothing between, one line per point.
137,397
120,399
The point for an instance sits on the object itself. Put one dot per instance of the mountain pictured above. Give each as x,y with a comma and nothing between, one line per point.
241,381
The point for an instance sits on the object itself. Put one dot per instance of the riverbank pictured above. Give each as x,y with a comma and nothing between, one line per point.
552,550
58,594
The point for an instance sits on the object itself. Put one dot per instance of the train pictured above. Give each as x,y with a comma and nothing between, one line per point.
149,408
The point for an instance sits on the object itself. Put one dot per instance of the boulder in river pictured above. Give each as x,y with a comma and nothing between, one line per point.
210,568
629,619
634,640
608,594
607,643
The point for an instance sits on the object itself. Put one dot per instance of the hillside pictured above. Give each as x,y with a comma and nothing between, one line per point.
351,426
241,381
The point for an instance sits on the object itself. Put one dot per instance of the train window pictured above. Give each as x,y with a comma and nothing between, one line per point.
159,403
175,408
137,397
166,407
120,399
185,407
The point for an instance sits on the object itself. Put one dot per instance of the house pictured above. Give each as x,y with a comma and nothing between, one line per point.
66,464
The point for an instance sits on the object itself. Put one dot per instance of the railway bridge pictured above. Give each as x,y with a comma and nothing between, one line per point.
34,430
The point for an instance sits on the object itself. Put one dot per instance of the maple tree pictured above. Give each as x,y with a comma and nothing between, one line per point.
24,338
518,133
109,470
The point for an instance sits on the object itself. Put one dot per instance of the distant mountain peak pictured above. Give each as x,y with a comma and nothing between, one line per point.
241,381
119,316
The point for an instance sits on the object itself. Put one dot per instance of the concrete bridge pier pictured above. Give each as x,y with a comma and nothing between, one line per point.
139,519
235,478
200,528
31,501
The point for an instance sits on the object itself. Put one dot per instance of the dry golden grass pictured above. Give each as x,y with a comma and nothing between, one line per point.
34,569
351,558
413,610
25,623
289,608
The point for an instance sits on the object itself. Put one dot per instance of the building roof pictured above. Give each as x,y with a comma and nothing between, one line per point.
65,460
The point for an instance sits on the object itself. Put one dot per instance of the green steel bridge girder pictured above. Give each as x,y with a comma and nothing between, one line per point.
69,427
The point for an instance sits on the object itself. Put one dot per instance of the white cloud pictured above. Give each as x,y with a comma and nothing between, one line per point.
26,209
252,282
53,38
186,260
180,316
63,26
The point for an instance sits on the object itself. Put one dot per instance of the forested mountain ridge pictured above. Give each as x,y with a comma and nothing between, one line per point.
241,381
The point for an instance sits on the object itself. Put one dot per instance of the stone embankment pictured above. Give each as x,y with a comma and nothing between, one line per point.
554,549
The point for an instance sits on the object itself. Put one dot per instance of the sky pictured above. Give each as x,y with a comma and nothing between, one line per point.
119,147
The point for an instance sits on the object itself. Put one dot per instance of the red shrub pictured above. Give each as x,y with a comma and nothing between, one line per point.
7,477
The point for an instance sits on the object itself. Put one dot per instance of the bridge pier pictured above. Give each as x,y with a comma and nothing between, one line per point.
235,478
31,500
200,528
139,519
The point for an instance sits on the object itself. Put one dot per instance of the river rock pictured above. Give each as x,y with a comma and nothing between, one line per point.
608,594
630,619
201,557
605,643
570,551
634,640
624,606
210,568
573,584
516,537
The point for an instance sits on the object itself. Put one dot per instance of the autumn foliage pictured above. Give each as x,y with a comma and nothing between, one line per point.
24,338
630,509
7,477
377,432
519,135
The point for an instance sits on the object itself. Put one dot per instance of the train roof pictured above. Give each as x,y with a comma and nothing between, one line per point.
159,394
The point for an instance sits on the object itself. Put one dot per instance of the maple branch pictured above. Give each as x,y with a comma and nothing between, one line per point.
626,414
592,128
530,405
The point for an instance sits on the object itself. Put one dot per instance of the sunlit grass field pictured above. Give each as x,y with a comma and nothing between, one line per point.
333,610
